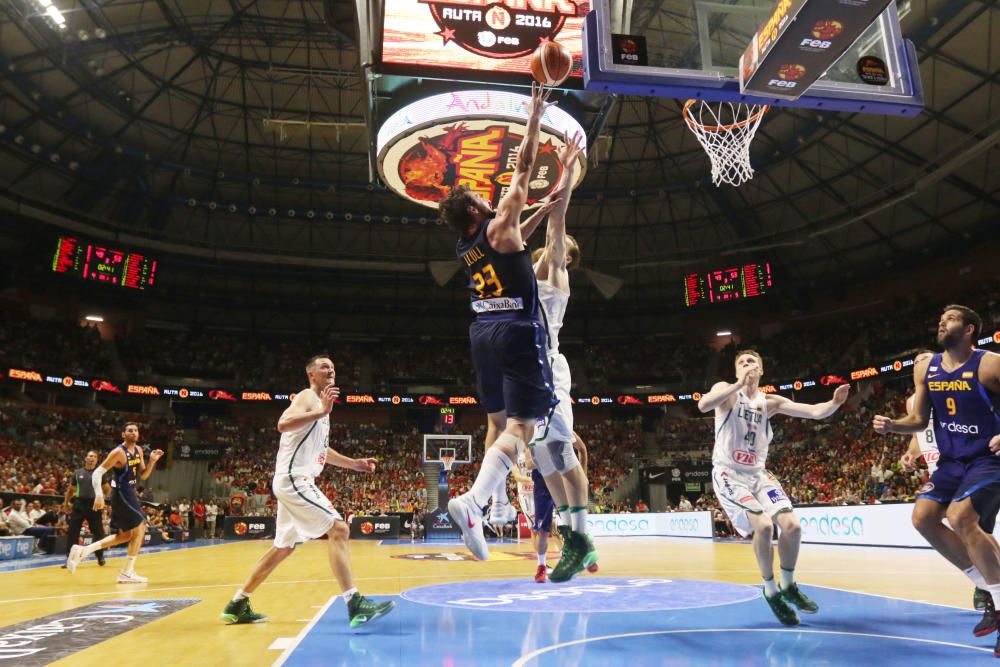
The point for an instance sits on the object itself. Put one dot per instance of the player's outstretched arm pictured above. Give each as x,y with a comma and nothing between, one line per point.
918,416
302,411
531,223
147,469
335,458
505,232
552,266
721,395
909,459
780,405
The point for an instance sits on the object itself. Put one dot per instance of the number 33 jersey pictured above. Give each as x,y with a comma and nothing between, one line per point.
502,286
742,434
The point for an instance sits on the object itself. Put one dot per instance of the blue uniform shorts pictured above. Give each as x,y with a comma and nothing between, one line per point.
545,507
978,479
512,367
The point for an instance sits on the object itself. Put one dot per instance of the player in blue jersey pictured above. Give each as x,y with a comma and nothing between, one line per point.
128,465
508,338
962,387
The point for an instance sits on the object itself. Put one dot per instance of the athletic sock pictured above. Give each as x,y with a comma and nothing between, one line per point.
348,594
493,470
500,493
787,578
97,546
976,577
563,512
239,595
994,590
770,588
541,559
130,565
578,519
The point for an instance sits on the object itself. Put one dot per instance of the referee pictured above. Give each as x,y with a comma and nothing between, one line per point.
81,492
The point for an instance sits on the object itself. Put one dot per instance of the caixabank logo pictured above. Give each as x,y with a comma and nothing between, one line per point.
509,29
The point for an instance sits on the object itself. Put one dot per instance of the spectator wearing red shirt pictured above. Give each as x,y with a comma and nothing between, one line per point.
199,513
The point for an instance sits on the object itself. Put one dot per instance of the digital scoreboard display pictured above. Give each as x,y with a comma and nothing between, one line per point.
722,285
104,265
486,39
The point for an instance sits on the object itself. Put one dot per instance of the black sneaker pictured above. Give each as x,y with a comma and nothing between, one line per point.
781,610
239,611
979,598
361,610
988,623
794,596
996,648
100,559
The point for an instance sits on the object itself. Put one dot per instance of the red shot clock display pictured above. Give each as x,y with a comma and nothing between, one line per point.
91,261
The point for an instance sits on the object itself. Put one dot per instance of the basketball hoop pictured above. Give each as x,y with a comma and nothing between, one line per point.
725,130
447,461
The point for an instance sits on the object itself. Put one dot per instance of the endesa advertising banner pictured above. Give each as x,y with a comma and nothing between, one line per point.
669,524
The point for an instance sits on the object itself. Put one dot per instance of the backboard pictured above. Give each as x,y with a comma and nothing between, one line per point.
460,444
692,50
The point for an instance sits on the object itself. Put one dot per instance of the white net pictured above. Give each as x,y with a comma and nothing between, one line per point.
725,130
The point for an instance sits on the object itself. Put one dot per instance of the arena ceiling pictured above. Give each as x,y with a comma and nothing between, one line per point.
170,119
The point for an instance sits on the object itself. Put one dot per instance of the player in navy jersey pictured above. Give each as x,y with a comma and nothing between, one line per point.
508,339
126,462
962,386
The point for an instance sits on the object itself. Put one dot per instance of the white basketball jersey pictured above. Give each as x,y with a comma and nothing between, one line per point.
525,490
303,452
554,302
928,446
743,434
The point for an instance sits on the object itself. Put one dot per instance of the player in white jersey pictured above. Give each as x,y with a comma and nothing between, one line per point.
304,512
750,495
525,487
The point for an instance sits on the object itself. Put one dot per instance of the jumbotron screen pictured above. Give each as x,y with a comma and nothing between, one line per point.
104,265
724,285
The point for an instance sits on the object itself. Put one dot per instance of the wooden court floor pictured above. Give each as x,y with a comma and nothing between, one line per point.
303,584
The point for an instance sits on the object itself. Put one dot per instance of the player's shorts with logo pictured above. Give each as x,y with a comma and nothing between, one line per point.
955,480
304,512
545,507
126,512
512,369
558,427
740,492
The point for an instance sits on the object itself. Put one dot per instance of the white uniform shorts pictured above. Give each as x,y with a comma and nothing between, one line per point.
739,493
559,427
304,512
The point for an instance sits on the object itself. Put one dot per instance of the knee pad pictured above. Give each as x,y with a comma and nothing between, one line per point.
563,456
543,460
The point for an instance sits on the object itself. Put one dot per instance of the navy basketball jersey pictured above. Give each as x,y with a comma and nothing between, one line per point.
501,285
126,477
965,412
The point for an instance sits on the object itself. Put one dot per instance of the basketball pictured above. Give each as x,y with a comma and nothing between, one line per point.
551,63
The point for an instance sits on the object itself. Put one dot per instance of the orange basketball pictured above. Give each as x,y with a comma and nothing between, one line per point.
551,63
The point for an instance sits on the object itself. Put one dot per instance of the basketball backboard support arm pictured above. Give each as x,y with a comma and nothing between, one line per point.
904,96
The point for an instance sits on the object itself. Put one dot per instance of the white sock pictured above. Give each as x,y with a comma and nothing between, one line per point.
494,469
240,595
130,565
770,588
976,577
500,493
578,520
787,578
994,590
97,546
349,593
541,558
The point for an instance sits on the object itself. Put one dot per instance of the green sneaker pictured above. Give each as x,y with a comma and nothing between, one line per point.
781,610
571,562
979,599
793,595
590,555
361,610
238,612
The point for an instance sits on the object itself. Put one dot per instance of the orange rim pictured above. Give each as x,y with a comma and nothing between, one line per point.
719,128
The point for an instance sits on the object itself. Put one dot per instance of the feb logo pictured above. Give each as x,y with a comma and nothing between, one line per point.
240,528
509,29
827,29
367,527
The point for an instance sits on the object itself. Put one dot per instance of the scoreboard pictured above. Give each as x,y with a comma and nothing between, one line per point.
732,284
90,261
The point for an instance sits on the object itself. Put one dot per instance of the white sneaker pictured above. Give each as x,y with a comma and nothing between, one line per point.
468,516
502,514
124,578
75,556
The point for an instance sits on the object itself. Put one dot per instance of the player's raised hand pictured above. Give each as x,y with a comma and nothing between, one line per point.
882,424
840,394
155,456
539,99
995,445
364,465
571,149
328,396
908,461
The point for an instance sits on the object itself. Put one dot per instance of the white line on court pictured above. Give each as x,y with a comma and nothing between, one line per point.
303,632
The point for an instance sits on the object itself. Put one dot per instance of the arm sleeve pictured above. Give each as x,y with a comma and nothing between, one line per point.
97,478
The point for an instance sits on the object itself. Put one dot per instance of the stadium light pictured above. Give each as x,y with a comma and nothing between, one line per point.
723,334
94,318
50,10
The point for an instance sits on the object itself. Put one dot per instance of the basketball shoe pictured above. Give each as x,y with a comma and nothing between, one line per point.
131,578
468,516
238,612
500,514
988,623
541,574
781,610
75,556
361,610
794,596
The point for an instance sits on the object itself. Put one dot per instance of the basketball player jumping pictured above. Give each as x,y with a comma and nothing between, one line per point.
507,337
750,495
304,512
126,513
962,386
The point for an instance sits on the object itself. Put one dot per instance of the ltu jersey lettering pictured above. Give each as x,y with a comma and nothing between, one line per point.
501,285
743,434
965,412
